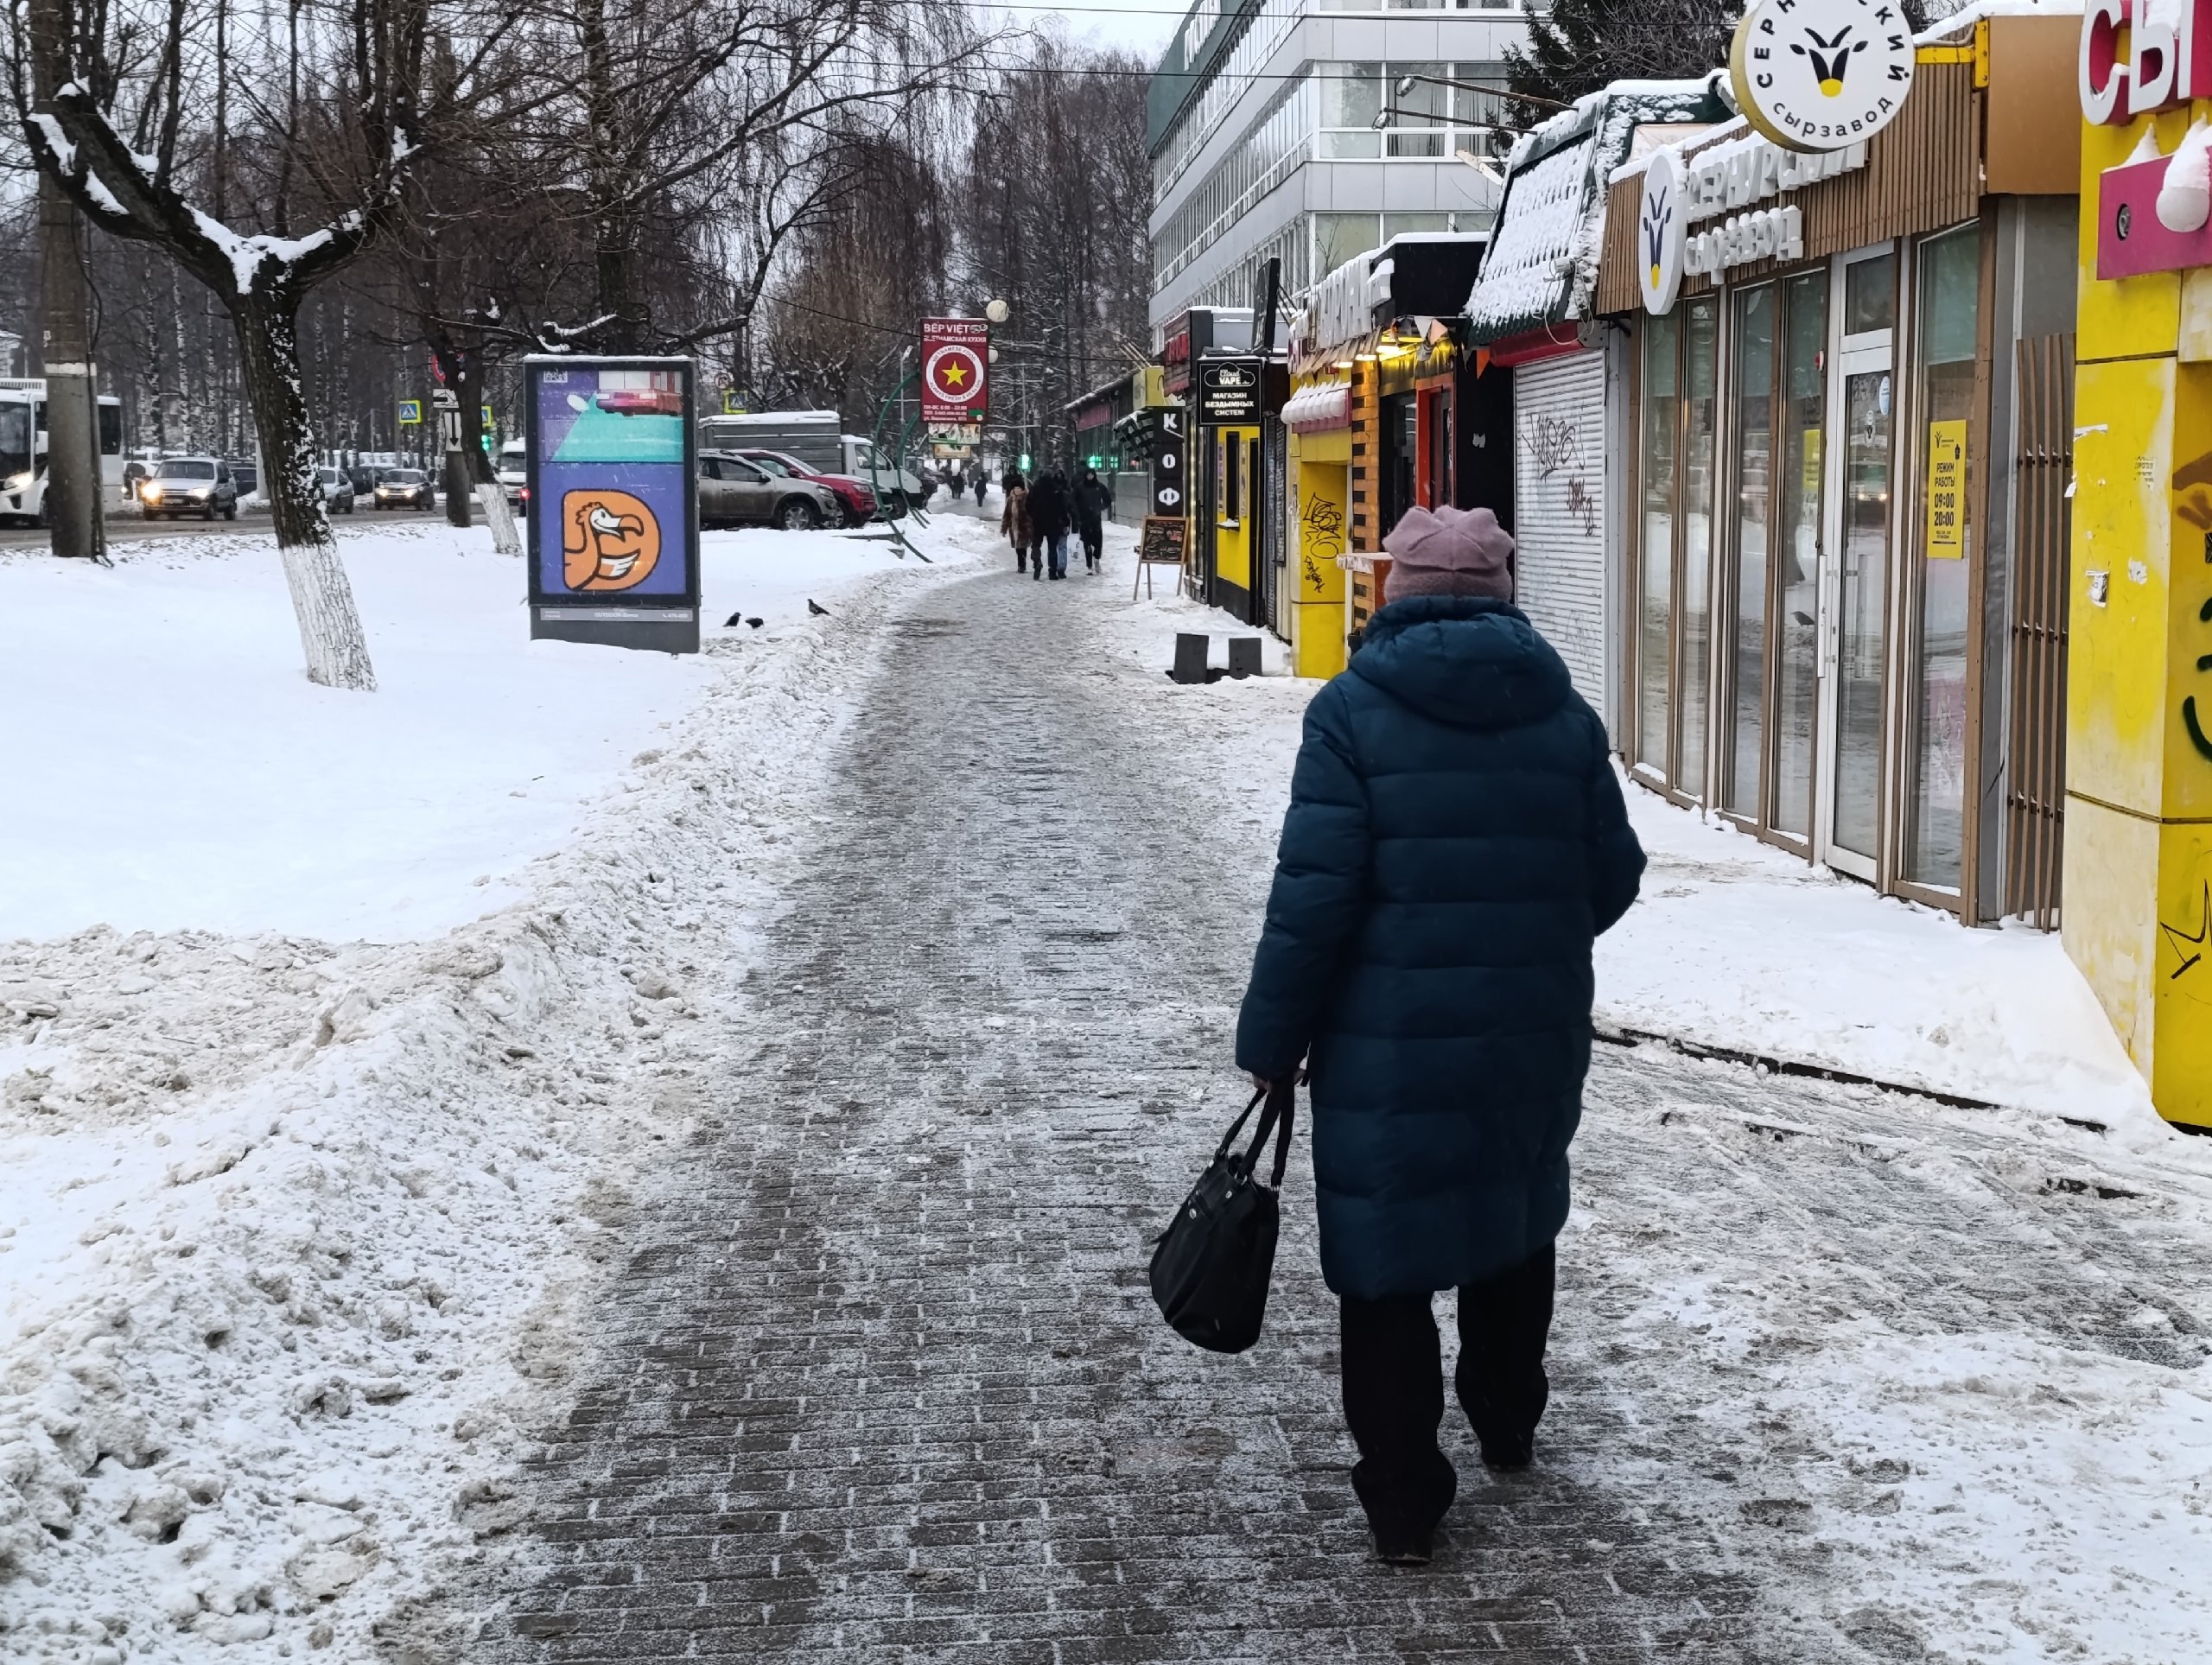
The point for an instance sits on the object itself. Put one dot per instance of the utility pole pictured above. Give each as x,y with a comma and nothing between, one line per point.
73,508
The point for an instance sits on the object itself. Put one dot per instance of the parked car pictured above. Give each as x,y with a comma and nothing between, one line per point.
364,478
853,495
177,486
405,488
245,474
734,492
337,491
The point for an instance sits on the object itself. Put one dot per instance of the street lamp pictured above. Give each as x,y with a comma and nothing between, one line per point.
1428,119
997,311
1406,85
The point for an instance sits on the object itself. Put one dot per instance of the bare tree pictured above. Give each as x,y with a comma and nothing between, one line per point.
1059,190
144,118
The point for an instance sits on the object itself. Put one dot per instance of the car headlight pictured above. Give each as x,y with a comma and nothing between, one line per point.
153,494
199,493
17,482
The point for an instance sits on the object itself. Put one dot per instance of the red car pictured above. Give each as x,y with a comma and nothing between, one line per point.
859,500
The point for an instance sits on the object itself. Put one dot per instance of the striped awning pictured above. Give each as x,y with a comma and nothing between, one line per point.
1324,404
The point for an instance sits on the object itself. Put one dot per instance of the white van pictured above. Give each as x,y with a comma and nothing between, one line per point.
514,472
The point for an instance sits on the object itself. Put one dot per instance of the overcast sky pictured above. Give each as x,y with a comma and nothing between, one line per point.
1140,26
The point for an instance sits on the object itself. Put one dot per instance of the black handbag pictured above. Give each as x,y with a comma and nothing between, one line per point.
1210,1269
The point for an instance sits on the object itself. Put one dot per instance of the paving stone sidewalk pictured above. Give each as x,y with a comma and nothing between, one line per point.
882,1380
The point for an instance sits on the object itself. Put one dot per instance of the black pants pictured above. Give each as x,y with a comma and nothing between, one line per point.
1394,1388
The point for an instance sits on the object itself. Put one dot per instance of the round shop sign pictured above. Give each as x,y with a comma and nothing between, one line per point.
954,373
1821,74
1659,230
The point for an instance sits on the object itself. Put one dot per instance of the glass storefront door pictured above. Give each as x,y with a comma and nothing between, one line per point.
1854,635
1947,272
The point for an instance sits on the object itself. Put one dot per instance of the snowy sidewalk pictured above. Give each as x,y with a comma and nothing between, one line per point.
1738,945
295,1231
1839,1375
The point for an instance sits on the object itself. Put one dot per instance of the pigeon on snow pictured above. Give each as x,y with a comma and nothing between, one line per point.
817,610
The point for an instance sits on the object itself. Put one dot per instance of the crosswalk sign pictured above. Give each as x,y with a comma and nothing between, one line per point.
411,413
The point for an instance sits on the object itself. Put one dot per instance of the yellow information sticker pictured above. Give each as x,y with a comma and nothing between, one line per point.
1946,490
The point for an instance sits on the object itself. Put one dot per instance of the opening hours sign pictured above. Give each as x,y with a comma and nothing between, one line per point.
955,366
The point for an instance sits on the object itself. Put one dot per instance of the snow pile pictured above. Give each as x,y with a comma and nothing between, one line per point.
1736,944
297,1234
184,773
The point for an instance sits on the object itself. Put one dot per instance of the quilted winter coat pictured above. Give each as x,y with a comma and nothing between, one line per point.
1456,839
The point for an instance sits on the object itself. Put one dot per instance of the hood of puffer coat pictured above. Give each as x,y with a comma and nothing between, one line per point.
1469,661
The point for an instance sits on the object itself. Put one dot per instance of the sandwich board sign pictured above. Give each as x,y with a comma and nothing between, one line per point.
613,542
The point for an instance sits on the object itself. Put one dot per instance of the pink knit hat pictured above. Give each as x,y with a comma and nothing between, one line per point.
1449,552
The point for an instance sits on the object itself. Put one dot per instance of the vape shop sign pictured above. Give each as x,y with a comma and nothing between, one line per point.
613,508
956,372
1229,392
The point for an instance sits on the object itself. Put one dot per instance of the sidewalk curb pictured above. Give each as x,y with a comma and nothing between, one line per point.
1621,1035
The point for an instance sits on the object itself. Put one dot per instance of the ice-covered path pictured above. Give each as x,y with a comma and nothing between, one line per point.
1838,1376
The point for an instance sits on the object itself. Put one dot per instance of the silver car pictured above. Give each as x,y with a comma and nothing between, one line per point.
733,491
182,485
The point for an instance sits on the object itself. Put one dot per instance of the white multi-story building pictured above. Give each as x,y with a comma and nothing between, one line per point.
1312,130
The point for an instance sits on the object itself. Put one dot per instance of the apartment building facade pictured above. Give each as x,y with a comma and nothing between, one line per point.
1311,131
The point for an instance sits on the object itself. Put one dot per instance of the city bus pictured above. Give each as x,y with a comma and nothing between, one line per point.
23,447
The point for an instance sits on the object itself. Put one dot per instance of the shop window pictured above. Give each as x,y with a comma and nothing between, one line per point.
1655,536
1942,535
1751,330
1677,460
1797,549
1700,413
1870,295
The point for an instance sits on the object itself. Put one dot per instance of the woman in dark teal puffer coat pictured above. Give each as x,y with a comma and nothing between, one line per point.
1456,839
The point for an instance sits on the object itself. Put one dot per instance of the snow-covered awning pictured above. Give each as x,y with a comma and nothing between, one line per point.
1543,262
1324,404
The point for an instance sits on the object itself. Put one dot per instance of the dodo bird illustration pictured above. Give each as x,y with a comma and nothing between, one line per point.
610,540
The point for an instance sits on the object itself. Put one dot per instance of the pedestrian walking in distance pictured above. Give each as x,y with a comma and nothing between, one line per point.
979,480
1051,511
1456,838
1014,522
1093,502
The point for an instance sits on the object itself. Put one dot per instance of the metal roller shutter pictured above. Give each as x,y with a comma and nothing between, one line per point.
1558,511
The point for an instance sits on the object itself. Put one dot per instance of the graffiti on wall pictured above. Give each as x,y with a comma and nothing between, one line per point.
1320,541
1554,447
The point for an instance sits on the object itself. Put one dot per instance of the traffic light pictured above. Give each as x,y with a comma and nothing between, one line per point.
1095,459
1024,464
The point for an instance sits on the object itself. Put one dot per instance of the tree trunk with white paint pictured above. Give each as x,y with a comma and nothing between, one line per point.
504,538
322,599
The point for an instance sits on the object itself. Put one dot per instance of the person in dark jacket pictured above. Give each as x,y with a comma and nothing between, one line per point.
1456,838
1093,502
1051,511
